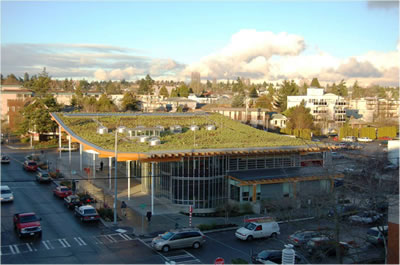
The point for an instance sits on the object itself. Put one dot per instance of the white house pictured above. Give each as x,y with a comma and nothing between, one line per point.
277,121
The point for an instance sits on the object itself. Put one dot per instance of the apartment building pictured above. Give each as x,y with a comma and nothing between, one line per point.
373,109
327,109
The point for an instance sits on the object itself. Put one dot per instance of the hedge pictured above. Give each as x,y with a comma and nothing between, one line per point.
387,132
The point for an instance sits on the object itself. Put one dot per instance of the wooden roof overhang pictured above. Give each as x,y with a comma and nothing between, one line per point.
284,180
170,156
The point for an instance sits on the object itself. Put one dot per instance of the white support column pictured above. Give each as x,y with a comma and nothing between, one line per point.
94,165
80,156
69,151
59,140
152,188
128,164
109,171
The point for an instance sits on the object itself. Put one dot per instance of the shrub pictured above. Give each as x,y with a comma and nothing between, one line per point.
66,183
246,208
239,261
25,140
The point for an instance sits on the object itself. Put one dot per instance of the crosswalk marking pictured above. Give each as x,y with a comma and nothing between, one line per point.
80,241
47,244
64,242
29,247
125,236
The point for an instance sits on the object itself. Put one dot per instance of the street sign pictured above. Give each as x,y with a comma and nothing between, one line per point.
219,261
142,206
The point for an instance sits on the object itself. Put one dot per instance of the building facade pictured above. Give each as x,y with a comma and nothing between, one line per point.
329,110
372,109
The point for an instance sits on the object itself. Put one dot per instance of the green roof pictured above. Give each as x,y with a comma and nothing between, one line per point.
227,135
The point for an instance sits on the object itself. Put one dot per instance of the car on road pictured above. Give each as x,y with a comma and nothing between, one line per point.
43,176
62,191
65,148
376,235
30,165
178,238
86,213
27,224
324,246
5,159
275,256
254,230
300,238
6,194
366,217
364,139
71,201
343,210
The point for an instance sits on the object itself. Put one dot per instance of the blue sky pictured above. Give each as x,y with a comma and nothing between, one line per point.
187,32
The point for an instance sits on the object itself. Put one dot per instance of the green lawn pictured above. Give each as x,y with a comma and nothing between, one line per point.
228,133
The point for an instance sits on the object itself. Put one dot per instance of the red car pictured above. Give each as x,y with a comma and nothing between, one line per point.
27,224
385,138
30,165
62,192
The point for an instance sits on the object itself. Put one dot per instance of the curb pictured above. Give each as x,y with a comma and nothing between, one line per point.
19,148
220,230
296,220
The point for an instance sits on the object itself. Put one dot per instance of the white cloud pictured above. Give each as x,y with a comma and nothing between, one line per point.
117,74
266,56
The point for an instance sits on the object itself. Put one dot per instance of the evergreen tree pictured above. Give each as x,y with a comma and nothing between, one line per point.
174,93
105,104
357,91
129,102
238,100
163,92
253,93
264,102
315,83
286,89
183,90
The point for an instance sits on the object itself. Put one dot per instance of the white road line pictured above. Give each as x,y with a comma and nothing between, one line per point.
16,249
66,242
78,241
125,236
180,256
110,238
47,244
29,247
12,249
83,242
62,243
98,241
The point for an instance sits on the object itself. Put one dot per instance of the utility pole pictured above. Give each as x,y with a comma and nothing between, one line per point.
115,180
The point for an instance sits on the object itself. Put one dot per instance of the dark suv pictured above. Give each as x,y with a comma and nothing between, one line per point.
274,256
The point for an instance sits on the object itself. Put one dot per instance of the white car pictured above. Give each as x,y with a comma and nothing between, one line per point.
367,217
254,230
6,194
364,139
349,139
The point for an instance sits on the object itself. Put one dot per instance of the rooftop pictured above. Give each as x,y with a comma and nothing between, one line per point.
229,135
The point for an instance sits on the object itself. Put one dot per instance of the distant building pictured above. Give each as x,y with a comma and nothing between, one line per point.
327,109
277,121
372,109
254,117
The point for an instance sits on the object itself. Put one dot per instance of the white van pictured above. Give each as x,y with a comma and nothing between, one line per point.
374,234
6,194
258,230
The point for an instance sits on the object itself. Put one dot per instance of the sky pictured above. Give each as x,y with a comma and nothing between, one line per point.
262,40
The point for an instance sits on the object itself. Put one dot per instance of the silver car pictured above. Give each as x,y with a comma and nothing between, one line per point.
179,238
6,194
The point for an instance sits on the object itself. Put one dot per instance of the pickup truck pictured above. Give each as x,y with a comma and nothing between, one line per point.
27,224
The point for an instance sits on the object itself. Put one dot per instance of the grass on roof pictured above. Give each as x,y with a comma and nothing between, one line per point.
228,133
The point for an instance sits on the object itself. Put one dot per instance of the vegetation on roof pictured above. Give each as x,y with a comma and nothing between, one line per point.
228,133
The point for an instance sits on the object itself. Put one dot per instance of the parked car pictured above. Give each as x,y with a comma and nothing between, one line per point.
65,148
5,159
336,155
325,246
258,230
27,224
71,201
364,139
62,191
43,176
30,165
366,217
178,238
376,235
275,256
87,213
300,238
86,199
6,194
343,210
349,139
